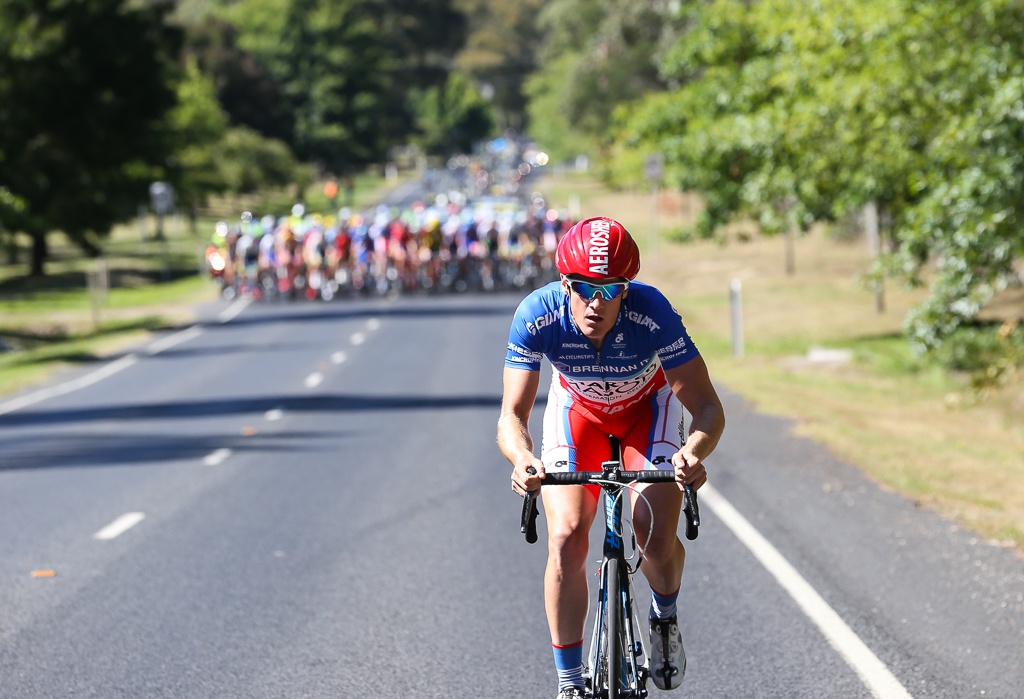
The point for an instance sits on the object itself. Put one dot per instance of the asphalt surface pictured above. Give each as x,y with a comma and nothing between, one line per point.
323,512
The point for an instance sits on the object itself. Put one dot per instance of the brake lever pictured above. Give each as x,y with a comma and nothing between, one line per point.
528,525
528,522
692,511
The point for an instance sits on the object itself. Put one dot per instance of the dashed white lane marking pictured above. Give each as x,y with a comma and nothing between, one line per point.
175,339
338,357
229,313
217,457
81,382
314,379
873,673
274,414
357,338
372,324
119,526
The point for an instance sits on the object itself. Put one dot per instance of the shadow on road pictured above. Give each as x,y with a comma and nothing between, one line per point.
77,450
338,403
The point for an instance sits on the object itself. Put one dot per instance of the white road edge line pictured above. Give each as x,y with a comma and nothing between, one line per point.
876,676
119,526
60,389
175,339
229,313
217,457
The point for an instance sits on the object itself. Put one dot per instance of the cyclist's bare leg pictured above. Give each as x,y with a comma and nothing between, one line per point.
664,557
664,554
569,512
650,443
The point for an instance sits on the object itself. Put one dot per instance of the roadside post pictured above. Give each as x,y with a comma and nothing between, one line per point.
98,282
736,309
161,197
654,171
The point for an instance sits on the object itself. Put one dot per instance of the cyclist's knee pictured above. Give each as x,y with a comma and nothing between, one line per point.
568,544
663,547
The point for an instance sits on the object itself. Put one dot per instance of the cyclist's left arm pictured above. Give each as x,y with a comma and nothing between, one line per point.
692,385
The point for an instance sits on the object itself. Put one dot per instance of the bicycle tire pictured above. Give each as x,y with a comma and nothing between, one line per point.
613,620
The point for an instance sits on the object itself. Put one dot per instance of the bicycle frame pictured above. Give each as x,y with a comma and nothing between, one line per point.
619,663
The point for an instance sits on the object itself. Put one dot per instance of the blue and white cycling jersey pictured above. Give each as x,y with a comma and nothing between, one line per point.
648,336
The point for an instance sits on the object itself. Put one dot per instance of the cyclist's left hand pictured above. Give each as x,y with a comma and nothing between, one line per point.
689,469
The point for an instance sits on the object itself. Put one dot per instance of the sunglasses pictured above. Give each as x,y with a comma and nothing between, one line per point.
588,291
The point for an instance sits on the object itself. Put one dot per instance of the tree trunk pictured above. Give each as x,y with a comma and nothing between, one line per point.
10,246
40,251
790,250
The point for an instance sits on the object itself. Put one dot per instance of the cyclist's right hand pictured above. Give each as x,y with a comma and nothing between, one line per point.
527,474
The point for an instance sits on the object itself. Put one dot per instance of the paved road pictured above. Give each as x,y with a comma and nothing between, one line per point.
305,500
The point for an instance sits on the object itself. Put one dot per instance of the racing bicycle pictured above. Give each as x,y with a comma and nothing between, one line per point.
618,662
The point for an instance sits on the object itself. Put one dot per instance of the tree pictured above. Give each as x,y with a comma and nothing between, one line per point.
247,91
452,118
249,163
595,56
501,50
85,86
796,114
336,76
346,68
199,125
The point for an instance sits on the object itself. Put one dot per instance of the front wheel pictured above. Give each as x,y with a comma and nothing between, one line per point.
613,620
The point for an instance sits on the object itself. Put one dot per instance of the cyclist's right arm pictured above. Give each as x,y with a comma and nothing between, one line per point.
514,440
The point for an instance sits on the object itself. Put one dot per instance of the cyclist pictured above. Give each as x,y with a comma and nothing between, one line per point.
624,365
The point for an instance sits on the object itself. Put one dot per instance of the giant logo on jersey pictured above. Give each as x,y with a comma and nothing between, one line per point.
545,320
643,321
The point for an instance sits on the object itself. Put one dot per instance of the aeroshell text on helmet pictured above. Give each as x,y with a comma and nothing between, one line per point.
598,251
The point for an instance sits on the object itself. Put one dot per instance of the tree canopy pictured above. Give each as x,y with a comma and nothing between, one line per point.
595,56
85,86
344,70
793,114
99,98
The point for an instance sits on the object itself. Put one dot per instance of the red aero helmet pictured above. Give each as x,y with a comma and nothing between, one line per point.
598,247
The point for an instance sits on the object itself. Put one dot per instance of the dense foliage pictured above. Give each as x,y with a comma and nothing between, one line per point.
596,57
85,87
100,98
793,114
